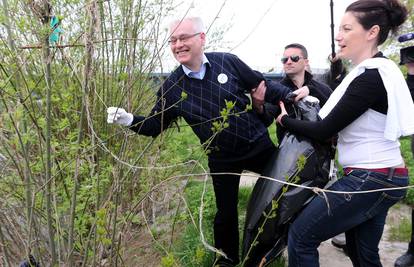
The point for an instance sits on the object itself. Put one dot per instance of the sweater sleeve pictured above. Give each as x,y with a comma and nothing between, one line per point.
161,116
270,112
275,91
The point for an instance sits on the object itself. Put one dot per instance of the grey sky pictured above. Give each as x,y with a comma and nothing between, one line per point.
272,24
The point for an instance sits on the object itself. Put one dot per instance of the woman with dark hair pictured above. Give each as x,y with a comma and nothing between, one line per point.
369,111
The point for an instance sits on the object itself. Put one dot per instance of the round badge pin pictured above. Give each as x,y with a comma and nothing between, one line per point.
222,78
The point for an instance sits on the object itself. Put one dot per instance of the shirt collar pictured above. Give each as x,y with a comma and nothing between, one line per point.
197,74
308,77
291,84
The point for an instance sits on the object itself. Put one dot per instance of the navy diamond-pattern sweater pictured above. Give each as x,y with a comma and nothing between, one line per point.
199,102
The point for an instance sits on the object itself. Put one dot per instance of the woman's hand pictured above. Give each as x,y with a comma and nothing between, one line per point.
282,113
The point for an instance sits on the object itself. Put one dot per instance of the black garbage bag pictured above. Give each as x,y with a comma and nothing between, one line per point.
31,262
272,205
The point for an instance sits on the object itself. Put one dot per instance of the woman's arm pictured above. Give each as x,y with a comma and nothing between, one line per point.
366,91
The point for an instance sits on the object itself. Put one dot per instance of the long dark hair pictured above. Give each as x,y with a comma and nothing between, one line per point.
387,14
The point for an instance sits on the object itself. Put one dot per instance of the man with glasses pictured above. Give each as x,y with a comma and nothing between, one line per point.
296,67
209,91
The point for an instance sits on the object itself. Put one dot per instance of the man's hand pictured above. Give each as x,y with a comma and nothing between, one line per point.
410,68
301,93
334,59
119,116
258,95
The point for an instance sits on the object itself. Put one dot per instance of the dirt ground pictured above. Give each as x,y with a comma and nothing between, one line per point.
140,251
331,256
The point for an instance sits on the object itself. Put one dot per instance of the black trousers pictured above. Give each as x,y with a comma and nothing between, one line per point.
411,244
226,189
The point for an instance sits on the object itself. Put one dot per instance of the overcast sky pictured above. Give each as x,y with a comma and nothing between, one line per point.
260,29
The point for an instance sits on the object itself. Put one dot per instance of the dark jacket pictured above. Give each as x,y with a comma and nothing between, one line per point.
410,83
336,74
316,89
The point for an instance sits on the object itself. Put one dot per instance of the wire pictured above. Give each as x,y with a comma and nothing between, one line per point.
255,26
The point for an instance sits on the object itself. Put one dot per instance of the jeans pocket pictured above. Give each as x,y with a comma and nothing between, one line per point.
354,181
385,200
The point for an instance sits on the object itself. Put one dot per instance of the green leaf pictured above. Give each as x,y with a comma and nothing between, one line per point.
183,95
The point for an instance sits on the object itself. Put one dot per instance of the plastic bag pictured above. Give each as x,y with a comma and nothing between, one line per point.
272,210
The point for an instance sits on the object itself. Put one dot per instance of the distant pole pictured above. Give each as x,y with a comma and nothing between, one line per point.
332,31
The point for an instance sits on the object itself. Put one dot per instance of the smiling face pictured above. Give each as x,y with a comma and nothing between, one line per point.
187,43
355,43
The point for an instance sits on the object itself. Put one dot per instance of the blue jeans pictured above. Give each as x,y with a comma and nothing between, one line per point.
360,216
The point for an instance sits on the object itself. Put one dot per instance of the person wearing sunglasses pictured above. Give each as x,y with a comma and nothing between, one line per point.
200,90
369,111
297,75
407,59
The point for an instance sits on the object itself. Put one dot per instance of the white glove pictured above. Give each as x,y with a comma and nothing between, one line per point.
119,116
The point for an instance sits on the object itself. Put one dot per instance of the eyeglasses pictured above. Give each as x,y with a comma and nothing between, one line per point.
293,58
182,38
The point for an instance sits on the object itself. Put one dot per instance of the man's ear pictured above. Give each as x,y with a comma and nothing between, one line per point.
203,38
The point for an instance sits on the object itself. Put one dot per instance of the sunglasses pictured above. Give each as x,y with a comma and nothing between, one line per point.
293,58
